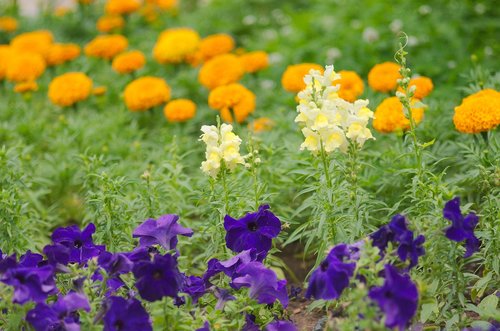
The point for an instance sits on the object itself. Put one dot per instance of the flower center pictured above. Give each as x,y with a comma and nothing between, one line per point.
119,325
252,226
157,274
324,266
78,243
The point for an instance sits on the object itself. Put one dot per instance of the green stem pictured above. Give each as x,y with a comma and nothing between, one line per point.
324,160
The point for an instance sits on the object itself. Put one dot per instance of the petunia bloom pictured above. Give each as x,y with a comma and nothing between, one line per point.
254,230
163,232
195,287
230,266
250,324
126,315
205,327
281,326
222,296
462,228
397,298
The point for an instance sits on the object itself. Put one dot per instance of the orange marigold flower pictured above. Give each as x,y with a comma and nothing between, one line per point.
121,7
35,41
99,90
110,23
389,116
232,100
70,88
176,45
106,47
145,93
60,53
216,44
128,62
221,70
254,61
5,55
166,4
24,87
384,77
23,67
8,24
293,77
179,110
351,85
423,86
478,112
261,124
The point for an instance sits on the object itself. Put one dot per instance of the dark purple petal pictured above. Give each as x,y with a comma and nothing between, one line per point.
206,327
222,296
250,323
461,228
195,287
281,326
163,232
126,315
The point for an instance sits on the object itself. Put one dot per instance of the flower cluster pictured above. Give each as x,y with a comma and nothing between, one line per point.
223,149
328,120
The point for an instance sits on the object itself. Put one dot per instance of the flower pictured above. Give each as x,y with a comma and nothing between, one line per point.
165,4
179,110
254,230
254,61
128,62
478,112
24,87
195,287
261,124
176,45
206,327
145,93
69,88
263,283
462,228
222,146
121,7
281,326
384,77
38,42
99,90
24,67
106,46
397,298
72,245
221,70
6,53
158,278
222,296
332,276
109,23
163,232
114,264
61,315
216,44
230,267
61,53
234,101
389,115
293,77
8,24
351,85
125,315
250,323
423,86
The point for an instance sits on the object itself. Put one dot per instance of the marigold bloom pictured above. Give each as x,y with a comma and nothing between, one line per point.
351,85
146,92
128,62
221,70
478,112
8,24
110,23
106,47
232,99
30,86
293,77
69,88
261,124
216,44
254,61
179,110
389,116
384,77
176,45
24,67
99,90
121,7
166,4
5,55
35,41
423,86
60,53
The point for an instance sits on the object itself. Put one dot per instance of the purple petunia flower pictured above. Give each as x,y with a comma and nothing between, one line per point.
333,275
195,287
158,278
397,298
410,249
205,327
115,264
281,326
222,296
264,284
126,315
254,230
250,324
72,245
163,232
62,315
230,266
462,228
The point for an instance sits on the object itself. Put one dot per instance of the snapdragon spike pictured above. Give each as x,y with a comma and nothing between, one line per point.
125,315
397,298
163,232
254,230
462,228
